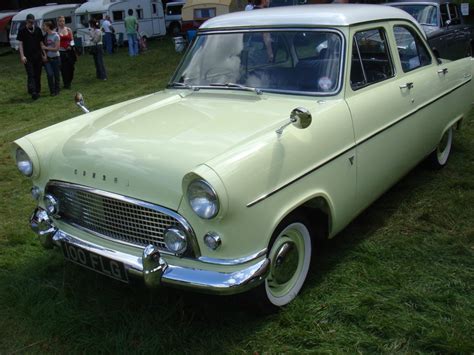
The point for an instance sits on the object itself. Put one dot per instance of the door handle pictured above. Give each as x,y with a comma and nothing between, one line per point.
407,86
443,71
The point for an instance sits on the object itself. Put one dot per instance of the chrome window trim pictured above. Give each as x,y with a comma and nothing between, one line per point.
183,222
276,29
237,261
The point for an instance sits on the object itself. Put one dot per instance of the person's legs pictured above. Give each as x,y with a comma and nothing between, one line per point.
30,78
130,44
100,64
108,42
96,63
56,77
37,68
135,44
48,66
65,69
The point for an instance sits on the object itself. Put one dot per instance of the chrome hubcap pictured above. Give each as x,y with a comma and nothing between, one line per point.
285,263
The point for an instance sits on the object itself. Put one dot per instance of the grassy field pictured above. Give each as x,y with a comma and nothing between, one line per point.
399,279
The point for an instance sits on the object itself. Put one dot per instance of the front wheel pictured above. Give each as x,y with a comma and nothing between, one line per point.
439,157
290,258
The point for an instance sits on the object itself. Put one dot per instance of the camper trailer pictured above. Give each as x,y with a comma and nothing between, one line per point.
149,13
5,24
41,14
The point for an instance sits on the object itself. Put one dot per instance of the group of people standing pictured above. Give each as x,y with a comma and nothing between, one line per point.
54,51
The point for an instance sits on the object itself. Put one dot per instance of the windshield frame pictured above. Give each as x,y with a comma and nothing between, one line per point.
217,31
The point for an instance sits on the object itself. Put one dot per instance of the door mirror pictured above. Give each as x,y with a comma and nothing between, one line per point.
301,118
79,99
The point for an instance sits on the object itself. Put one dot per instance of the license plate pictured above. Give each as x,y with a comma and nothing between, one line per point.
96,262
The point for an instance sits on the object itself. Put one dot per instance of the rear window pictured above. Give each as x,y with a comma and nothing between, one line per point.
202,14
174,10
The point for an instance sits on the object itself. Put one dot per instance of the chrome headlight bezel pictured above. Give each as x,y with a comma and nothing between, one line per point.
203,199
23,162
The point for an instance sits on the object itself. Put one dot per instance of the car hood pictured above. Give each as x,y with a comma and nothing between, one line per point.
143,148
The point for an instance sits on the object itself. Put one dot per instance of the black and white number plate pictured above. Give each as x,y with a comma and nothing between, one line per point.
95,262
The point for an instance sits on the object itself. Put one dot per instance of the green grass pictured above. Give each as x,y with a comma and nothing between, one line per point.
399,279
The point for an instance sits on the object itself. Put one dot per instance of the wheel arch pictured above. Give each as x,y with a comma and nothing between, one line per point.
318,208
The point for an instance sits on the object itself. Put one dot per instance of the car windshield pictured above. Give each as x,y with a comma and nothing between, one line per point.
424,14
306,61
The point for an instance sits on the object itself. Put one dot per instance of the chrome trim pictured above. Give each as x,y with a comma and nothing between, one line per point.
284,185
157,271
229,262
42,225
216,239
184,223
284,28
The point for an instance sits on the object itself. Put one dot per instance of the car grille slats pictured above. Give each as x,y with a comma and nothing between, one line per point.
112,218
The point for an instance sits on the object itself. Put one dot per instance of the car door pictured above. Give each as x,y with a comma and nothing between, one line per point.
437,91
461,37
377,104
446,40
391,83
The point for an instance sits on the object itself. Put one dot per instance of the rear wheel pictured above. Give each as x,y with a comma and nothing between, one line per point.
439,157
290,257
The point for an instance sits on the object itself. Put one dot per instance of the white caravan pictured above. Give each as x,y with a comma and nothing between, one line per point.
149,13
41,14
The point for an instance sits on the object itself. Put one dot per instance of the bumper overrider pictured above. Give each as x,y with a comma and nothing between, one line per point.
152,267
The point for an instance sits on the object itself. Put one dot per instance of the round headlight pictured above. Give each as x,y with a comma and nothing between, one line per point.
203,199
175,240
23,162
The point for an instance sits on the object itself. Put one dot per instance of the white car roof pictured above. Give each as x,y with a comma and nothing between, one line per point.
40,11
309,15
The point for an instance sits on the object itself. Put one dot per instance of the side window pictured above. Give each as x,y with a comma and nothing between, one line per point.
413,53
444,13
154,8
453,14
139,13
371,61
117,16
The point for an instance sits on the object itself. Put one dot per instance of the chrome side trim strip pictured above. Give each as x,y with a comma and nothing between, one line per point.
267,195
184,223
238,261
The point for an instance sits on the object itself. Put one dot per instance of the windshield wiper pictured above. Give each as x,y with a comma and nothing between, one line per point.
176,84
238,86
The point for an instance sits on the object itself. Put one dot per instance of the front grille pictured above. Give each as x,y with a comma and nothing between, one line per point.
112,216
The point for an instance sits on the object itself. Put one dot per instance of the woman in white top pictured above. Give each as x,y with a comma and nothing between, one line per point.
97,50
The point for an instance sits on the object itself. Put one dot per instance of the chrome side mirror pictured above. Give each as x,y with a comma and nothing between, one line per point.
300,118
79,99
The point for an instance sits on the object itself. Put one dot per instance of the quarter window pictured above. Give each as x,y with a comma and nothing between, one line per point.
117,16
371,60
413,53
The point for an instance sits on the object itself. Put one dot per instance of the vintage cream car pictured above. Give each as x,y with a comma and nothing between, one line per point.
279,127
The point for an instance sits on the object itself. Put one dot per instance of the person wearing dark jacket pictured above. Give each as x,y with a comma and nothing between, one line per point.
30,38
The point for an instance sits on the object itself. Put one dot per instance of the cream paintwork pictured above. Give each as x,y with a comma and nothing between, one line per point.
153,145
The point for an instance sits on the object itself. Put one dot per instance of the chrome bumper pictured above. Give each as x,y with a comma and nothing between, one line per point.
154,269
